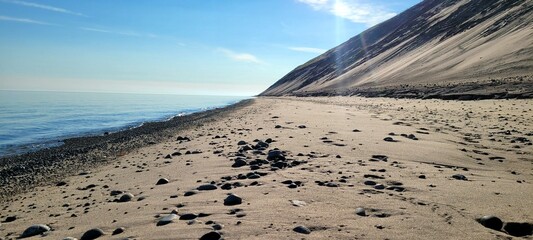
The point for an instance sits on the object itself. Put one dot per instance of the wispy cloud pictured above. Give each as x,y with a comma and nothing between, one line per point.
124,33
241,57
23,20
42,6
308,49
353,10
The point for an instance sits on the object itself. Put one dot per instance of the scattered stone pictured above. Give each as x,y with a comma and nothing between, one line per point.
379,187
166,219
62,183
116,192
302,126
360,211
180,138
241,143
176,154
10,219
518,229
118,231
232,199
302,229
211,236
460,177
491,222
389,139
188,216
261,144
370,183
35,230
207,187
190,193
422,176
226,186
275,155
217,226
239,162
162,181
92,234
126,197
298,203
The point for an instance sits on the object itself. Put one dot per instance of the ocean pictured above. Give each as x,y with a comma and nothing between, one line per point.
30,121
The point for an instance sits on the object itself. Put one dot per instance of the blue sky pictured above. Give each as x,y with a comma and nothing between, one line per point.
215,47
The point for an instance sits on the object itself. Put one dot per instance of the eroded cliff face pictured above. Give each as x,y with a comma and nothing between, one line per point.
440,44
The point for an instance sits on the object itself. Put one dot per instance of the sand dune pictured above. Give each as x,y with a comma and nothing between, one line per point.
433,48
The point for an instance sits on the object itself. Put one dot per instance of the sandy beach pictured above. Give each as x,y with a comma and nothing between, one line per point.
305,168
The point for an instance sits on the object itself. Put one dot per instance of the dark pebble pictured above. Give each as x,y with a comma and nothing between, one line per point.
226,186
360,211
211,236
162,181
275,155
190,193
217,226
460,177
10,219
518,229
92,234
35,230
370,183
239,163
126,197
207,187
302,229
232,199
118,231
188,216
491,222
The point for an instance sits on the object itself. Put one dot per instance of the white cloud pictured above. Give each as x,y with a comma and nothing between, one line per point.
241,57
353,10
308,49
42,6
316,4
23,20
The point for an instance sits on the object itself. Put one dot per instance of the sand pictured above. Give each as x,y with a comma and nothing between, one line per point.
488,142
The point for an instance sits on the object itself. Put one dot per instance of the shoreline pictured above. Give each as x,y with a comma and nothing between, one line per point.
80,153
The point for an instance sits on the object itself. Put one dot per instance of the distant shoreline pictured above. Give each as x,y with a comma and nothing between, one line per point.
20,173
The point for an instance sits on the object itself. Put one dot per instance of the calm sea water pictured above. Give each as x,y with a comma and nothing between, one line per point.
33,120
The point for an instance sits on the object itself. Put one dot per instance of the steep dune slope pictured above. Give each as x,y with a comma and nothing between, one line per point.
451,46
